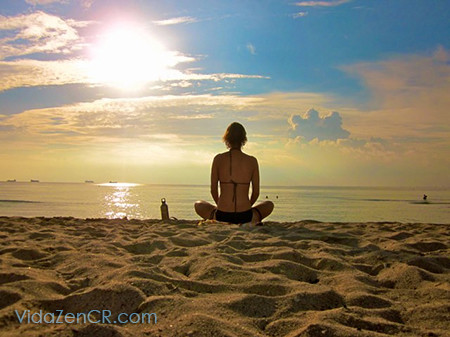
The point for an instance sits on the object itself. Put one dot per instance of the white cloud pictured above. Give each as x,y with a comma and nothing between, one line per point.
28,73
126,118
322,3
299,15
312,126
175,21
87,3
44,2
182,84
251,48
38,32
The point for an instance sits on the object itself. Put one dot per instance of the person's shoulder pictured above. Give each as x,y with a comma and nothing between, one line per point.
220,155
223,154
251,158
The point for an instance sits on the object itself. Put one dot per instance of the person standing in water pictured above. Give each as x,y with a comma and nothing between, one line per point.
234,171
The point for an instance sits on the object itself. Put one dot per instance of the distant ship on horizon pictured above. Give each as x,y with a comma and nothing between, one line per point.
11,181
89,181
34,181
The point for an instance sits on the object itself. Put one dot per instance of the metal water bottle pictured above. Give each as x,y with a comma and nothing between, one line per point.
164,209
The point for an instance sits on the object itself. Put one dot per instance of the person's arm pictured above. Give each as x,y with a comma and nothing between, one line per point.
215,180
255,183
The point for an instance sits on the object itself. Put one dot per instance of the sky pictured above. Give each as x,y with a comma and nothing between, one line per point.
338,92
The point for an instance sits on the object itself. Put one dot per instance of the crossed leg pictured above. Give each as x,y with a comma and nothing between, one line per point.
207,210
262,210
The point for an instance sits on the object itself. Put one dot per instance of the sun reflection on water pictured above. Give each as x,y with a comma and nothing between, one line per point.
120,202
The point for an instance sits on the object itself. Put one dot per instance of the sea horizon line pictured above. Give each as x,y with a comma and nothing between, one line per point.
134,184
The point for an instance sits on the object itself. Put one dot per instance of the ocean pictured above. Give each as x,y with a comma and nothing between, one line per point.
142,201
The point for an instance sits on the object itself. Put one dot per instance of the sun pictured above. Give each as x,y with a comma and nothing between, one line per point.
126,56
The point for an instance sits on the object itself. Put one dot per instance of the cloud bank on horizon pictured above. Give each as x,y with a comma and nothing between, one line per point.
160,83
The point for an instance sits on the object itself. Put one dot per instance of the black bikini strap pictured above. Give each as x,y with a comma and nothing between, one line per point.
213,214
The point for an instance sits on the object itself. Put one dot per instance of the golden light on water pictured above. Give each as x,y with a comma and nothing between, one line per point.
120,203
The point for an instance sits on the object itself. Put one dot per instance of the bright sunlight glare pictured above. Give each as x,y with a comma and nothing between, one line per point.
127,57
118,184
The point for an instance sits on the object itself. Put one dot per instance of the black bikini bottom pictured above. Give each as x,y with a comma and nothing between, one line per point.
235,217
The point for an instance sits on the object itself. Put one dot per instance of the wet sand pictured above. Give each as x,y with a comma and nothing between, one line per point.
281,279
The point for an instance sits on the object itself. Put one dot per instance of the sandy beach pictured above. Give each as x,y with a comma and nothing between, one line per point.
281,279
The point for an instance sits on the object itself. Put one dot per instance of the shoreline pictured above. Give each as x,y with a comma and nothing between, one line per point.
305,278
196,221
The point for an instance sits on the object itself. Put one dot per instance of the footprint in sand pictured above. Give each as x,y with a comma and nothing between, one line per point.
12,277
117,298
367,301
40,236
28,254
145,247
426,247
8,297
266,289
427,263
255,306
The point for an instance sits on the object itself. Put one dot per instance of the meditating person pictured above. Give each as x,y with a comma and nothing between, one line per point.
235,171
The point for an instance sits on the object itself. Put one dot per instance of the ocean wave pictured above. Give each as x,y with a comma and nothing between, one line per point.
429,203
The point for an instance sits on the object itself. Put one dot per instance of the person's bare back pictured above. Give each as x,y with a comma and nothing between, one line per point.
235,170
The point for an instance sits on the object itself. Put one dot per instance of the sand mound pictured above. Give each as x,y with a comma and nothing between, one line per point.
281,279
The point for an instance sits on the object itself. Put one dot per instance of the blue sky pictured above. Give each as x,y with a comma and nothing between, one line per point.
335,92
